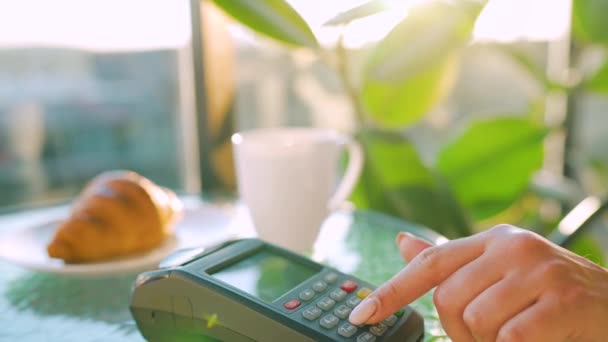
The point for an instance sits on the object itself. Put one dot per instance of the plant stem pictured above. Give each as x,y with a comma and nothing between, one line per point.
570,136
569,125
343,68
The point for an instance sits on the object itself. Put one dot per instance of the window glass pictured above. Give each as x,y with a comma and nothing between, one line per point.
88,86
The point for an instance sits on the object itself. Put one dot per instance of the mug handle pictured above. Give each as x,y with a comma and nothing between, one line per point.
351,175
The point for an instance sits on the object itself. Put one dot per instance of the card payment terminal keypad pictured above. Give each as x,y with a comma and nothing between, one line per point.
331,304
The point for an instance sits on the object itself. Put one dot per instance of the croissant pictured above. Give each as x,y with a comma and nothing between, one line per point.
117,214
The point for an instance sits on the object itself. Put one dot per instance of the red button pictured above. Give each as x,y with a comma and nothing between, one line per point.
349,286
292,304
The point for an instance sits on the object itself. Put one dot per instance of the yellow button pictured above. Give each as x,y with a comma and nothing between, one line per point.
363,292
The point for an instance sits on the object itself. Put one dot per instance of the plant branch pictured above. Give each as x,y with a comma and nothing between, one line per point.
343,69
570,122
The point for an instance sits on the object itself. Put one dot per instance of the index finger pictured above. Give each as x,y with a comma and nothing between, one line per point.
427,270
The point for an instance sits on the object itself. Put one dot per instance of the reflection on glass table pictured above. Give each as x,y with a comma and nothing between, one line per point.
49,306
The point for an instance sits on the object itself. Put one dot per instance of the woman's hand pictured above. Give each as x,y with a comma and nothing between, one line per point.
505,284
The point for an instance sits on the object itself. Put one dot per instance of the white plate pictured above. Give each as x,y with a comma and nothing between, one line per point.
25,246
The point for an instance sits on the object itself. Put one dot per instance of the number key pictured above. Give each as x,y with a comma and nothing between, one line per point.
353,301
326,303
366,337
331,277
319,286
307,294
391,320
329,321
337,295
312,313
342,311
378,329
347,330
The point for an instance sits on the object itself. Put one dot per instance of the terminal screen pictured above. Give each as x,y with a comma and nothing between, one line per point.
265,275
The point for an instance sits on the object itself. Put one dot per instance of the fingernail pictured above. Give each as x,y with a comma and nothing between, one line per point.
364,311
403,235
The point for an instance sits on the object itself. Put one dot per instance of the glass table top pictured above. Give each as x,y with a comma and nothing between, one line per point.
41,306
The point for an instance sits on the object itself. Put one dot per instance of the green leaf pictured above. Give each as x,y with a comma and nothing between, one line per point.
273,18
365,10
395,160
534,69
589,248
492,163
411,69
421,41
396,182
599,81
589,20
400,104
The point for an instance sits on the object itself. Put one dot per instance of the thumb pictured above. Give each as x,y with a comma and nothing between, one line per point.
410,246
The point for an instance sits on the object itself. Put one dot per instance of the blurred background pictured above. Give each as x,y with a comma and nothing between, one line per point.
471,112
85,88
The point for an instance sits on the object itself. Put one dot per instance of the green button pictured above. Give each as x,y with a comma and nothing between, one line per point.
400,313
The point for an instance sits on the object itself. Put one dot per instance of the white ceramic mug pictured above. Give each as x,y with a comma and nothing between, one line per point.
289,178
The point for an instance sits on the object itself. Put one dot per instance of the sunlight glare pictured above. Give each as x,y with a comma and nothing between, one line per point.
501,20
109,24
95,24
535,20
579,215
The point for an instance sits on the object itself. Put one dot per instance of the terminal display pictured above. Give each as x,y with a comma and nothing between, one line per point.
265,275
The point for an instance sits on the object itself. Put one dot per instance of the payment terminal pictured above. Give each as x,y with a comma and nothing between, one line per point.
249,290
